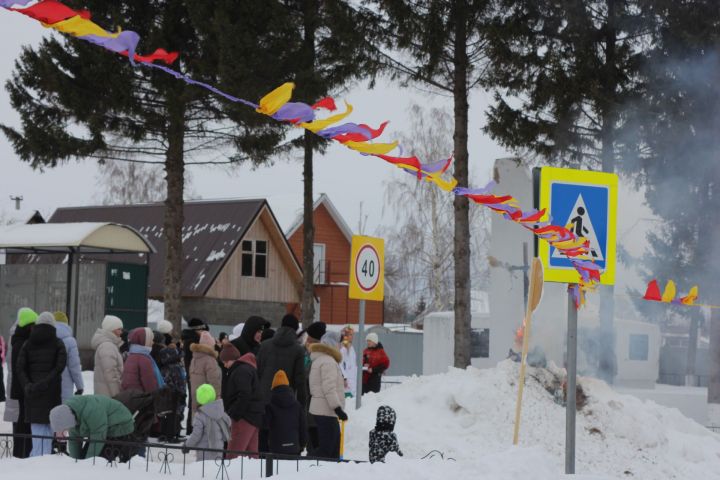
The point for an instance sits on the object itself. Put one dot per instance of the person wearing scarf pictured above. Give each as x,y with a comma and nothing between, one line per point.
140,372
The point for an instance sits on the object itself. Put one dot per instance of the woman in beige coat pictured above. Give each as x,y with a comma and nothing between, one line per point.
108,360
327,390
204,367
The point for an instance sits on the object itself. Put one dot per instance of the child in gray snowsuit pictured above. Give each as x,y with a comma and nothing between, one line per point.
211,425
382,438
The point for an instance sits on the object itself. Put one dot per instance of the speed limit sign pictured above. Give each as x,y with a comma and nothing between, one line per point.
367,269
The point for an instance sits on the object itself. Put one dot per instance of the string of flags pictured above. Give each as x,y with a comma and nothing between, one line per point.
669,295
358,137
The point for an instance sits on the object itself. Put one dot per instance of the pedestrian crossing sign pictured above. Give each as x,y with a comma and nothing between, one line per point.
585,202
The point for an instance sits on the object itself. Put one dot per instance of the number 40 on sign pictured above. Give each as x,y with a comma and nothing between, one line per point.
367,269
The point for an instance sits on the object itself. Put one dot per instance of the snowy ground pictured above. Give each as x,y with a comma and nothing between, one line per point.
468,415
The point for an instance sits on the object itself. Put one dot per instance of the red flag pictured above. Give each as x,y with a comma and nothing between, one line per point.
653,292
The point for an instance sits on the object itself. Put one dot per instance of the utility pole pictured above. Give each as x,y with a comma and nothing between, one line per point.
17,201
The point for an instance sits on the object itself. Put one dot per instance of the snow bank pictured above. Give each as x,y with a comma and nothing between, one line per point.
463,413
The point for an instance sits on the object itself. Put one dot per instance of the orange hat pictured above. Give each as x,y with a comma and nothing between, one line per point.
279,379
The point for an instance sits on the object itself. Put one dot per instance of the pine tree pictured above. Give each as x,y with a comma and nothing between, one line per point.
441,44
680,169
79,101
565,75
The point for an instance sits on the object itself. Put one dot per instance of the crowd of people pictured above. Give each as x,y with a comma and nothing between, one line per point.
258,390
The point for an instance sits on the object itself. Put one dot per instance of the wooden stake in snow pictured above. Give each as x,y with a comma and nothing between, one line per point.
534,295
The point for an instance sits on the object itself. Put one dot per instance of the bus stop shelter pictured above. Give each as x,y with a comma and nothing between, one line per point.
69,242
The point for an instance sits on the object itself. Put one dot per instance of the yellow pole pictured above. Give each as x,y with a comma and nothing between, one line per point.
536,282
342,439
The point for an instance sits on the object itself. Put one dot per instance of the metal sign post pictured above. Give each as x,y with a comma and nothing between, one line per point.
571,403
367,282
361,343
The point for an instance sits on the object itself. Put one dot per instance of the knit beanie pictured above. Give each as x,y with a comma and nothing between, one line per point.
316,330
163,326
142,336
290,321
331,338
229,353
372,337
111,322
205,394
206,339
197,324
45,318
279,379
60,317
26,316
62,418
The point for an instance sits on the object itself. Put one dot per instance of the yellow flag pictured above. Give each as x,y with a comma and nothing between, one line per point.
446,185
272,102
690,298
317,125
669,292
372,148
79,27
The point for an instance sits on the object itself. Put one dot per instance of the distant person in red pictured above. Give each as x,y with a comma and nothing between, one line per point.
375,362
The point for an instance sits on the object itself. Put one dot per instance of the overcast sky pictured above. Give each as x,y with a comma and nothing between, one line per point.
346,176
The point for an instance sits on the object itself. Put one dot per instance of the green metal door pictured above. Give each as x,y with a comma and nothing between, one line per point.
126,293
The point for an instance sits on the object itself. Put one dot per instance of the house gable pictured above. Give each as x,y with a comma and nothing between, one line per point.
284,277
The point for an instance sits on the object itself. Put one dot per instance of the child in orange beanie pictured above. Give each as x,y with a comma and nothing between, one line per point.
285,418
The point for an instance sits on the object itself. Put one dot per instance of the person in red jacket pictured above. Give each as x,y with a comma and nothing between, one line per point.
140,371
375,362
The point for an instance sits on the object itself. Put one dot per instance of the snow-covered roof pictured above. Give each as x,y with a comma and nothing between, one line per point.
323,200
95,236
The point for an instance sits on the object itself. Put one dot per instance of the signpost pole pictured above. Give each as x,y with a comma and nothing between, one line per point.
361,344
571,407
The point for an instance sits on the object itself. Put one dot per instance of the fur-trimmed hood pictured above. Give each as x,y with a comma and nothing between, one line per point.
321,348
206,349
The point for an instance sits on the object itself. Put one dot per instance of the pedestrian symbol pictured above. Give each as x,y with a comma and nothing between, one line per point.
580,223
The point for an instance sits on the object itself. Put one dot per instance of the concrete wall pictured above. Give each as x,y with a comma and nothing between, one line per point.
231,312
405,350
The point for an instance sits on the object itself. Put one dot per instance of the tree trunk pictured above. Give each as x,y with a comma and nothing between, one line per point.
463,317
308,294
174,218
310,9
608,362
714,370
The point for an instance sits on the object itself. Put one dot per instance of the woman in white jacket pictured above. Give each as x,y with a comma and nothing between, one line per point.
327,390
348,365
108,360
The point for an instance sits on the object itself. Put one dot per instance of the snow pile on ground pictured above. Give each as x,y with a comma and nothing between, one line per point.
467,412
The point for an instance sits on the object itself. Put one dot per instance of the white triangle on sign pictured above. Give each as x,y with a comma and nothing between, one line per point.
580,224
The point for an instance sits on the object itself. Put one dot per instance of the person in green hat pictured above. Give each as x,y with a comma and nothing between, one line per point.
100,420
211,425
15,403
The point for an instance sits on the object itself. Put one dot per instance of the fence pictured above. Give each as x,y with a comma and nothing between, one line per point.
162,457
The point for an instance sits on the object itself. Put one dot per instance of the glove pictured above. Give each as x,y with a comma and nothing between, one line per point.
185,450
79,392
341,414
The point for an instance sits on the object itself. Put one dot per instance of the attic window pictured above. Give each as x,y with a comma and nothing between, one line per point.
254,258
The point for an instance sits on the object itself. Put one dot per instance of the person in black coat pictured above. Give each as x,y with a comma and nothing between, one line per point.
249,339
15,406
189,336
282,352
40,366
241,399
285,419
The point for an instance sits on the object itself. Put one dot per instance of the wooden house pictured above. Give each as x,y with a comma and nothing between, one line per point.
333,240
